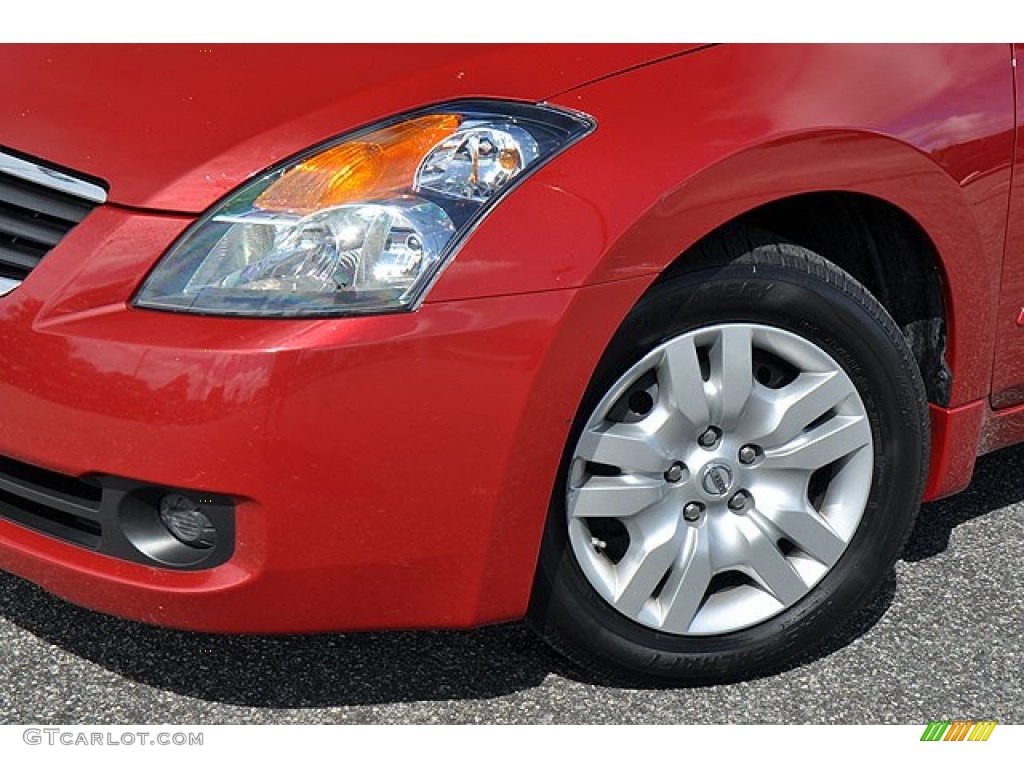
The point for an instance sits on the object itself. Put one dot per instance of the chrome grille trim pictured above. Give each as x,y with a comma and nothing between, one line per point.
51,178
39,205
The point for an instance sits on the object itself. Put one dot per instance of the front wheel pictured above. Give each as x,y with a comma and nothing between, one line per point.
744,469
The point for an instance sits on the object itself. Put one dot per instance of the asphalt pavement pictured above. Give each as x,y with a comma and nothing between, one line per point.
944,639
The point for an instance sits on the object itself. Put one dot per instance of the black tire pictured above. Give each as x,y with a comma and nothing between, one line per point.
750,277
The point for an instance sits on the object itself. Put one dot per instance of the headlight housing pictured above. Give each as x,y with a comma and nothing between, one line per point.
363,224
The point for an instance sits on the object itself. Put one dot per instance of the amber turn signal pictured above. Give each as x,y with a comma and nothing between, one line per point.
366,168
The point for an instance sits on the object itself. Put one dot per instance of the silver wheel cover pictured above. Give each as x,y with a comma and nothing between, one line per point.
729,489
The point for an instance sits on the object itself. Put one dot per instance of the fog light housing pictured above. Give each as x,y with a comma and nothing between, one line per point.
184,520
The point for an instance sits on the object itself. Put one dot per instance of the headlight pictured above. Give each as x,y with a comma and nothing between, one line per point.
363,224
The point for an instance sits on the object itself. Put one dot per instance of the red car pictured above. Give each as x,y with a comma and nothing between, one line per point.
660,346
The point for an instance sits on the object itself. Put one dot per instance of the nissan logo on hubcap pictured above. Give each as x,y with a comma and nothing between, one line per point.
716,479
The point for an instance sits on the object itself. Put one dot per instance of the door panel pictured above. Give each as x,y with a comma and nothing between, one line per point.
1008,368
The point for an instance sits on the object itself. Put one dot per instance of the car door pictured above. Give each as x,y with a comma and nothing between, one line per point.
1008,369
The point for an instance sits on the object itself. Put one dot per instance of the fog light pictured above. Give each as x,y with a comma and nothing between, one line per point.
182,517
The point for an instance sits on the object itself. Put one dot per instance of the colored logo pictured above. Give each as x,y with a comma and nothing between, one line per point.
958,730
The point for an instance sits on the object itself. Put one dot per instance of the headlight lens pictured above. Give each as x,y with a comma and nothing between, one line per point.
363,224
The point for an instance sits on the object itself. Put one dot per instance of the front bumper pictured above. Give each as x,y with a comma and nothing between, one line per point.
386,472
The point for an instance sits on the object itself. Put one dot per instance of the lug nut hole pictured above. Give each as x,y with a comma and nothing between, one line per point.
709,437
676,473
692,511
740,501
749,454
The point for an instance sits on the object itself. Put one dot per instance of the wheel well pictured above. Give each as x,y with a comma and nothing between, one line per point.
883,248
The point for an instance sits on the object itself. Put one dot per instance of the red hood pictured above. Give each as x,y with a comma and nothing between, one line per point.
176,127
